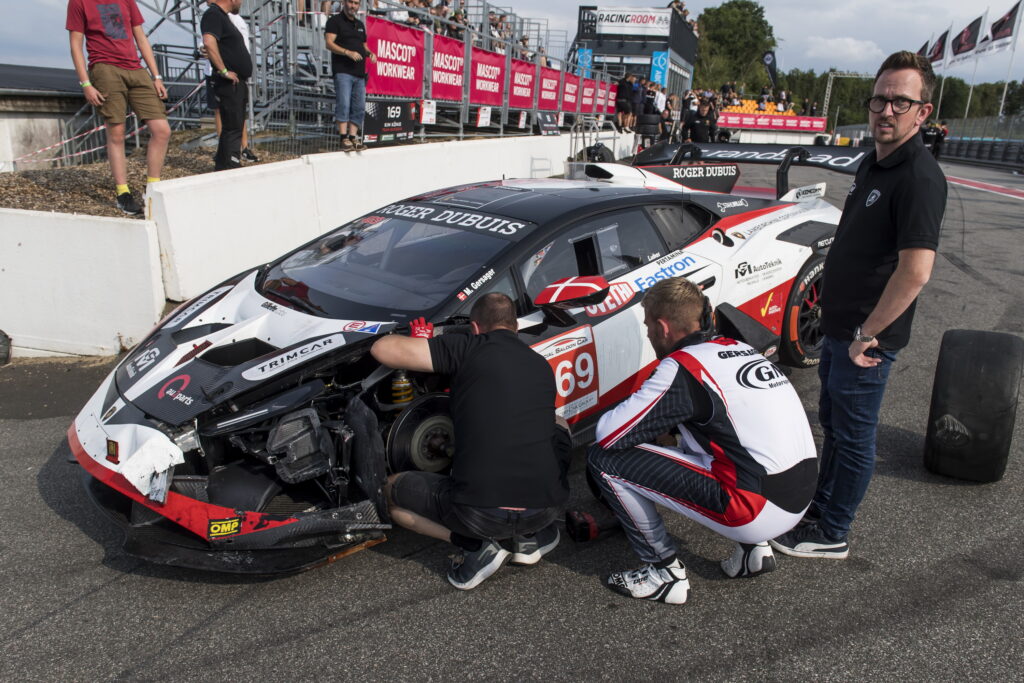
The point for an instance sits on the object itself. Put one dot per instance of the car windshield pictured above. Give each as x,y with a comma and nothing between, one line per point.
380,268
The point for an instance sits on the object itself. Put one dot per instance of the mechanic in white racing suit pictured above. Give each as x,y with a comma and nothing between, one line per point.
745,465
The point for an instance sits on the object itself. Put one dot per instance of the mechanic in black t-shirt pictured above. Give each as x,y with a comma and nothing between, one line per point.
345,38
880,260
700,125
232,66
509,471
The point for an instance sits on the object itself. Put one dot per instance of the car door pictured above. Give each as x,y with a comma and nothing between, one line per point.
595,360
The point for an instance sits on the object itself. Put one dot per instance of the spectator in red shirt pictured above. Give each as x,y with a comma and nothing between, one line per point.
112,32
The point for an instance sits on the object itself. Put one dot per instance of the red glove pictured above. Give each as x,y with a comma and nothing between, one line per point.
421,328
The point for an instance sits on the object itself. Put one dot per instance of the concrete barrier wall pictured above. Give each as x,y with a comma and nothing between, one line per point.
215,225
73,284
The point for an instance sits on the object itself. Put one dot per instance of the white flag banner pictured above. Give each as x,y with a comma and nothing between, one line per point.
963,44
1001,33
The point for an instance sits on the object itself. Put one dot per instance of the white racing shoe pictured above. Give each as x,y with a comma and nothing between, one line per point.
668,584
749,559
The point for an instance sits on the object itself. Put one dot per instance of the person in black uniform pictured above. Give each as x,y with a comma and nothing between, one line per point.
624,103
881,258
232,66
509,470
345,38
700,125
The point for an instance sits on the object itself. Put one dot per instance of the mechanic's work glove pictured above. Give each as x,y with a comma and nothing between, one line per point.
421,328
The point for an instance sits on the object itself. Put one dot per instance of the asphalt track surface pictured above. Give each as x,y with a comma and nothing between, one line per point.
932,589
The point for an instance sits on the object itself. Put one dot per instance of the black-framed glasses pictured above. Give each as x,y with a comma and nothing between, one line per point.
900,105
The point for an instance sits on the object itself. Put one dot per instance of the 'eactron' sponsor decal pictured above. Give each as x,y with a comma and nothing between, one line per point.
142,362
287,359
673,269
195,306
463,219
725,206
760,374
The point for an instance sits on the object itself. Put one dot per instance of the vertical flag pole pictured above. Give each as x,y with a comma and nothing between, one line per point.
970,93
1013,53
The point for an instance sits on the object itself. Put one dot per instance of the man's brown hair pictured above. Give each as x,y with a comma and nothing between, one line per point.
677,301
909,60
492,311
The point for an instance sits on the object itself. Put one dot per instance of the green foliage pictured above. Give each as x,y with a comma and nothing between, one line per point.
734,38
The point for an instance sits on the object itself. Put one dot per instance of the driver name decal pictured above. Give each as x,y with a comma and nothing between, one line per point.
573,358
287,359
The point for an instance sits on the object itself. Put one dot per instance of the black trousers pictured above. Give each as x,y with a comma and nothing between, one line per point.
233,100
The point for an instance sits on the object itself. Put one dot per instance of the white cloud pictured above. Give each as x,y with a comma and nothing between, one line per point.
843,53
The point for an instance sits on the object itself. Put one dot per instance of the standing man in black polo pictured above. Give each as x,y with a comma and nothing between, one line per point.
881,259
508,475
232,66
700,125
345,37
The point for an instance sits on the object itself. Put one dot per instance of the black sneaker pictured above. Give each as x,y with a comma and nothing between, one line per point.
470,570
668,584
359,146
248,155
126,202
347,145
810,541
527,550
749,559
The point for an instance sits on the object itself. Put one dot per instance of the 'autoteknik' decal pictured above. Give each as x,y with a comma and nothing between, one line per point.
287,359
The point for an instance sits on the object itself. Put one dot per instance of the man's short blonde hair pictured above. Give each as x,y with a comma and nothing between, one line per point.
677,301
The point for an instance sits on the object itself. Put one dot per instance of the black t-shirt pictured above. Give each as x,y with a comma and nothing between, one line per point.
349,34
229,41
625,91
896,203
700,127
503,407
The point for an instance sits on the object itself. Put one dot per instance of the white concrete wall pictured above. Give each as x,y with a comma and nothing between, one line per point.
72,284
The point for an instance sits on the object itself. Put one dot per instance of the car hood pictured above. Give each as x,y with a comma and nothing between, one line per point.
224,343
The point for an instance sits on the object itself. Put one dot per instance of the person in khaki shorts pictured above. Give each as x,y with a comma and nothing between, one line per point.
112,32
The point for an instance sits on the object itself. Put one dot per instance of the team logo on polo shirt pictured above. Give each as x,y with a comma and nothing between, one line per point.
872,197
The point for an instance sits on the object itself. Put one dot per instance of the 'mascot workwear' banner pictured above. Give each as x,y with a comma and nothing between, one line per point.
487,80
449,64
522,85
549,80
398,70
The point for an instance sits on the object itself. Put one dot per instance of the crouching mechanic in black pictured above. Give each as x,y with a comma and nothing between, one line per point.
745,462
509,470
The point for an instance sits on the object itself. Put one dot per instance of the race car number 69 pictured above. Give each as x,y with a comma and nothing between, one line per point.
569,375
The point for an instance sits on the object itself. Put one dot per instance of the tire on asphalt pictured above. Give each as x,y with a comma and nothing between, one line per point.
801,341
974,404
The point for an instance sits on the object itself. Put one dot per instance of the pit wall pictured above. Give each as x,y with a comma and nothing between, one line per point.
72,284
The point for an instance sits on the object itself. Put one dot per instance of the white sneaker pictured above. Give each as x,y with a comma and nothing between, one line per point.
668,584
749,559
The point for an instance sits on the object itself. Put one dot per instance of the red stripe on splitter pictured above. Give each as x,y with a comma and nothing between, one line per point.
189,513
987,187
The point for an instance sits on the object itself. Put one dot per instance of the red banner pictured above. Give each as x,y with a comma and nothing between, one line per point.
587,97
399,67
449,65
488,78
570,93
613,92
807,124
601,105
523,77
549,79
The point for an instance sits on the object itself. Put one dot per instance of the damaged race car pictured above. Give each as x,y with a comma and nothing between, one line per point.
251,431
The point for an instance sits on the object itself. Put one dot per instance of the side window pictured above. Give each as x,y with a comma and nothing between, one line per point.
680,224
610,245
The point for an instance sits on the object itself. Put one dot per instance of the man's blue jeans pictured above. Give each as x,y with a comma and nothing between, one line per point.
851,397
349,99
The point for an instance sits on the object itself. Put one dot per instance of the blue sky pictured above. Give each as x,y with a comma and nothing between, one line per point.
851,35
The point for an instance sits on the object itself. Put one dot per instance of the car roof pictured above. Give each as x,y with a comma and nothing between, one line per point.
541,201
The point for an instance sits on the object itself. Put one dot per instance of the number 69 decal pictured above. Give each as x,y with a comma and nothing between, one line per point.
574,361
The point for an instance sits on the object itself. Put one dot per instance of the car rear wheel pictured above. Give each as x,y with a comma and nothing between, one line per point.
974,404
801,341
422,437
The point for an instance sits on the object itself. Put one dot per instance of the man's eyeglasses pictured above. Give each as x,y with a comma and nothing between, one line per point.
900,105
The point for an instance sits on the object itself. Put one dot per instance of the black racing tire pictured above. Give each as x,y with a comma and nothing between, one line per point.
648,119
974,404
801,341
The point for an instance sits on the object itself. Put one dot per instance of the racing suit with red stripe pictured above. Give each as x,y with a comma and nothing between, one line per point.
745,465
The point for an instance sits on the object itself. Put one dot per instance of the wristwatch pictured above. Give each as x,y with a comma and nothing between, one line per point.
859,336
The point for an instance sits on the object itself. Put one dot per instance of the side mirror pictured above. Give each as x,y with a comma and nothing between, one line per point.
571,292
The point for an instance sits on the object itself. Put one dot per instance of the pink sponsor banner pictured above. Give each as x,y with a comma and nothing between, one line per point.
589,92
487,80
808,124
613,92
601,104
449,67
399,68
570,93
549,80
522,85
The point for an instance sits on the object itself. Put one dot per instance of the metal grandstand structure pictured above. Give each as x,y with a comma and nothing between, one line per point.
292,91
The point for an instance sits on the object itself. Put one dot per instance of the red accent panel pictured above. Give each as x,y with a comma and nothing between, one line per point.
187,512
769,307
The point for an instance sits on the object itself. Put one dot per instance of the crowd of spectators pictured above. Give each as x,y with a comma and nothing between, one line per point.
680,7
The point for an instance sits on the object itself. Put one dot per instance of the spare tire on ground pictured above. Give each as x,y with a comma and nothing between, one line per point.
974,404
